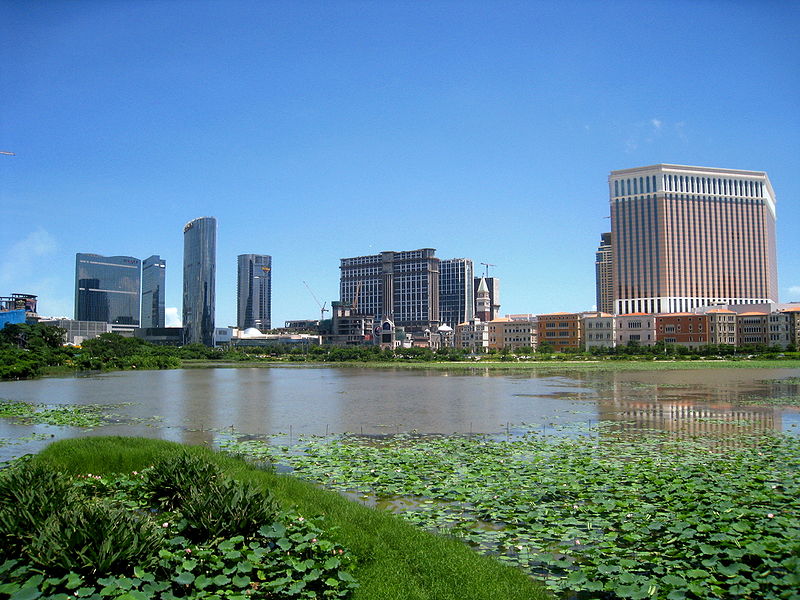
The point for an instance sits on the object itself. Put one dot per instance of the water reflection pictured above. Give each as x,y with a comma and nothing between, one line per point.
198,405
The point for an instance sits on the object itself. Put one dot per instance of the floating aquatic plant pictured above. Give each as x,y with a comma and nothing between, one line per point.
603,515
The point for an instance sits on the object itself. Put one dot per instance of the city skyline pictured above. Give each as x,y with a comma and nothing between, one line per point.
482,130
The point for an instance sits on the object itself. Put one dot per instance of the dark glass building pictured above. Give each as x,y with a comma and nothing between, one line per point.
153,276
199,274
107,288
254,292
456,294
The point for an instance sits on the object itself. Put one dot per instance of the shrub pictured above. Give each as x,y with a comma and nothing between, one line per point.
168,481
29,494
227,509
96,537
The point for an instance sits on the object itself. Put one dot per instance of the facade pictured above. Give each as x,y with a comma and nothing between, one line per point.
603,272
636,328
600,331
505,333
402,287
561,331
793,314
161,336
199,280
780,329
254,292
472,336
153,292
493,285
685,329
456,292
752,328
78,331
721,326
107,289
685,237
349,328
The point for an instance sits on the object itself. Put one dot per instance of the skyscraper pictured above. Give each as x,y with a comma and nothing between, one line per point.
254,292
400,286
107,288
685,236
603,271
456,294
153,277
199,274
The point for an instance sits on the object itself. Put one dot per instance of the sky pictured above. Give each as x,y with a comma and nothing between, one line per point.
315,131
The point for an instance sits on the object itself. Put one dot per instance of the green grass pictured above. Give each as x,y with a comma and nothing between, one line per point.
547,366
395,560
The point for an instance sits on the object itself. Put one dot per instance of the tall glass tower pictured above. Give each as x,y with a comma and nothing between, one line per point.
456,293
254,292
199,271
107,288
153,276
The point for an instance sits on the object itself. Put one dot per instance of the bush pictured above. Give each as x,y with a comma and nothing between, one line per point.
168,482
29,494
227,509
96,538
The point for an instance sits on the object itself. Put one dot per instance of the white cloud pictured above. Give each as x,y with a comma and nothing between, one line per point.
794,293
656,123
171,317
18,261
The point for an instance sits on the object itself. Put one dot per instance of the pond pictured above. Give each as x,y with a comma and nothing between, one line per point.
199,406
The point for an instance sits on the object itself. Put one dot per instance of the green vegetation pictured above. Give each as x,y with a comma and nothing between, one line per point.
600,514
25,413
27,351
318,544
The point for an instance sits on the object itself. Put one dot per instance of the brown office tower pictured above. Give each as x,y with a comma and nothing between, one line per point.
684,237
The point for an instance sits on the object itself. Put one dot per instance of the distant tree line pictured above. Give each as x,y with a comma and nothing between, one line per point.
28,350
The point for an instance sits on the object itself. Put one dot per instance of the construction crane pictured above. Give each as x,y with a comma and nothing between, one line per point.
322,309
355,296
487,265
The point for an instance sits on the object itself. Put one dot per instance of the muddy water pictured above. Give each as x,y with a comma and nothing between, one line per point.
196,406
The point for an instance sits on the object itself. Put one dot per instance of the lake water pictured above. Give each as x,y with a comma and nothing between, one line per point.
197,406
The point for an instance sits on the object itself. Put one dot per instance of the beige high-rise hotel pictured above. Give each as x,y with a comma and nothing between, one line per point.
684,237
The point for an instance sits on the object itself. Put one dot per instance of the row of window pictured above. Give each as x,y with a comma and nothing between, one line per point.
686,183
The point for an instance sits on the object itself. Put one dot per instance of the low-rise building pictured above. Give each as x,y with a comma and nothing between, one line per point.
472,336
561,331
685,329
752,328
161,336
600,331
78,331
350,328
512,334
637,328
721,326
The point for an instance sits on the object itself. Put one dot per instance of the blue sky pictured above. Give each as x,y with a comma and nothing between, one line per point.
320,130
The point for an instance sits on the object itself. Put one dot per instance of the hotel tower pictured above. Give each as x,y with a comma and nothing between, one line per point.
684,237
